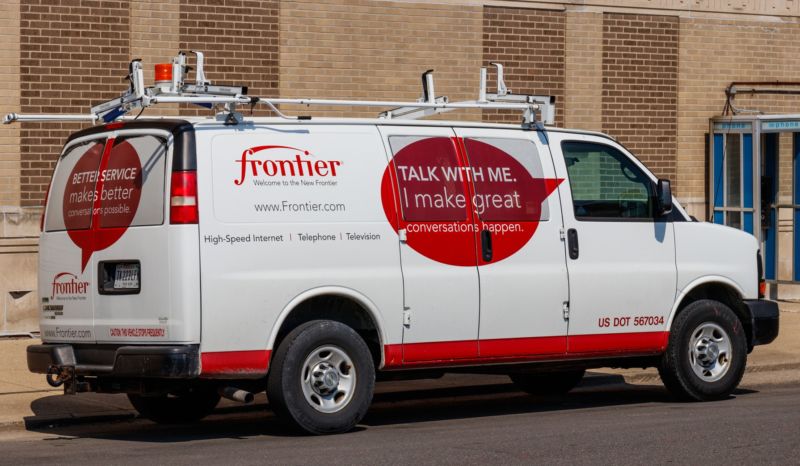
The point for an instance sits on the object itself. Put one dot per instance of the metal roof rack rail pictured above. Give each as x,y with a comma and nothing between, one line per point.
171,87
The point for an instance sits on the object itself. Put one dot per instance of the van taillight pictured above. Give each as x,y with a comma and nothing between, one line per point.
183,198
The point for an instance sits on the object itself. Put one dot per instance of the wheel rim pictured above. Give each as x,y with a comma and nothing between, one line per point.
328,379
710,352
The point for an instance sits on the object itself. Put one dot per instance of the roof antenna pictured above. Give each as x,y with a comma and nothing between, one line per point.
200,76
178,69
482,86
428,94
501,84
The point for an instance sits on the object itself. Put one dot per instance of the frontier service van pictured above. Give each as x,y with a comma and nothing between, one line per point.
185,259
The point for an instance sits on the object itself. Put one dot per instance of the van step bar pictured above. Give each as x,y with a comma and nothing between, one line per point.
171,87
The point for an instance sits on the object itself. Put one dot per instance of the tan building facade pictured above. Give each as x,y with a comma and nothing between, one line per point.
650,73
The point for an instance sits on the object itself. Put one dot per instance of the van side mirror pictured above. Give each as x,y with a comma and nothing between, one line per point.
663,197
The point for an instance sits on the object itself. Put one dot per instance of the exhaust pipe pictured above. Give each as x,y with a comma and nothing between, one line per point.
236,394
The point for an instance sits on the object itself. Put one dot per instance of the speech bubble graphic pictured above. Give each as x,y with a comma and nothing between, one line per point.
101,197
444,206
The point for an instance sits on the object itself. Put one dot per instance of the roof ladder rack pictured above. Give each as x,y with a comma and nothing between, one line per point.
173,88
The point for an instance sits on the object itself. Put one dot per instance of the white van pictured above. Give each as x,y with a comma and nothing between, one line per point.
182,260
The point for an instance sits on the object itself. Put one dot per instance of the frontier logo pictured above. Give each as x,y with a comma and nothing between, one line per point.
67,284
296,164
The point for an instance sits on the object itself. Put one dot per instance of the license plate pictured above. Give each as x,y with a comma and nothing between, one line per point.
126,276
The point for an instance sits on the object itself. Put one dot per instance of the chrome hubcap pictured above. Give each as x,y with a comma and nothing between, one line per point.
710,352
328,379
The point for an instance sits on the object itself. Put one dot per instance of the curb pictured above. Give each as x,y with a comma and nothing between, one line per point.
6,426
653,377
773,367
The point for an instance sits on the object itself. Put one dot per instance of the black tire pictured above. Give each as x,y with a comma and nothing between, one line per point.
285,381
548,383
189,405
676,368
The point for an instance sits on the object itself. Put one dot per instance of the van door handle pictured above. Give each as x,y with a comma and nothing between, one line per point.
486,245
572,243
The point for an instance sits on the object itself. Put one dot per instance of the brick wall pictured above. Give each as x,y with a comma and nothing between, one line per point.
355,49
239,39
531,45
155,27
712,54
72,55
581,106
9,102
640,87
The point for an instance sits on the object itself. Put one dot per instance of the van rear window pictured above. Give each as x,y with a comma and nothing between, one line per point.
115,187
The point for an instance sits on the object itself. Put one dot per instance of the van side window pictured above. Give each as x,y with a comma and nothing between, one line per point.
71,198
430,180
606,184
133,183
508,179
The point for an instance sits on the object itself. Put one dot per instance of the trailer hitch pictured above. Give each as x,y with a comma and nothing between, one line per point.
64,375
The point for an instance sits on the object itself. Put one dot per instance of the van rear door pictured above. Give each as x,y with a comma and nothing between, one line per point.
108,247
131,261
66,290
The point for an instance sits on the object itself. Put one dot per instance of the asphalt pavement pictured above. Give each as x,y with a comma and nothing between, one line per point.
488,424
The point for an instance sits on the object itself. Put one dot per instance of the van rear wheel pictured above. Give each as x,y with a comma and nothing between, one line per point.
548,383
706,354
322,378
188,405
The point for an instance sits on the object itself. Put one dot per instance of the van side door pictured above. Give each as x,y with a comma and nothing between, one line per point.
521,261
621,252
426,198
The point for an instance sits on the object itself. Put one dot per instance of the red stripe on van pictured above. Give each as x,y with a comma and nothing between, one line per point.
235,362
440,350
509,347
453,353
612,343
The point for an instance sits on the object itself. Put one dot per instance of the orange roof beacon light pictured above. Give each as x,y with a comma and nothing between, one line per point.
163,74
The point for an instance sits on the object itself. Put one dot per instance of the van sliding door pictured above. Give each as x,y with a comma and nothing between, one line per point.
437,244
522,265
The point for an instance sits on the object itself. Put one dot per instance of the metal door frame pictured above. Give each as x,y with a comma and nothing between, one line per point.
756,125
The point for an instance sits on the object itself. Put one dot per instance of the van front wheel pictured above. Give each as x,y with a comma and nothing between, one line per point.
188,405
706,354
322,378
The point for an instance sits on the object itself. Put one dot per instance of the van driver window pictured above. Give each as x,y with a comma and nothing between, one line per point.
606,184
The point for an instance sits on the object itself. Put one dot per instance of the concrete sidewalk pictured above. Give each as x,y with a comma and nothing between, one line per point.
26,400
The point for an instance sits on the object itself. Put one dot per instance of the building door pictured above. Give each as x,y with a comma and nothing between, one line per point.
732,167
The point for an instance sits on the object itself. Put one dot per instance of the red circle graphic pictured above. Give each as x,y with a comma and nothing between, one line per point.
443,204
95,224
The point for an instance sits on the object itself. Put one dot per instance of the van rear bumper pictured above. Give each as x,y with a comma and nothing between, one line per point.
766,320
166,362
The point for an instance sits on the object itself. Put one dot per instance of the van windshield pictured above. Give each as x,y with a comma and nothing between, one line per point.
108,187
